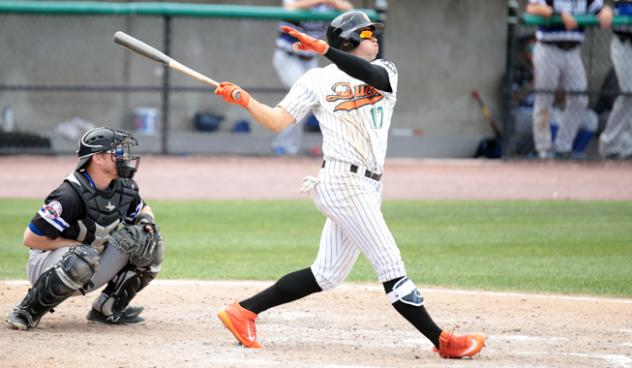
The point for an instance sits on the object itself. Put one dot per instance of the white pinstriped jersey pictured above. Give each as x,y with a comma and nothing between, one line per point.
354,117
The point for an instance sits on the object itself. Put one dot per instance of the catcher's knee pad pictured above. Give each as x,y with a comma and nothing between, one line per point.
405,291
77,266
122,289
57,284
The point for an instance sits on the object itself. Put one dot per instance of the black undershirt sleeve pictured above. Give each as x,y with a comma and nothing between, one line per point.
62,223
371,74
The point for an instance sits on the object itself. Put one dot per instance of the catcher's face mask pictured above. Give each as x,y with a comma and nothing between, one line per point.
121,153
116,142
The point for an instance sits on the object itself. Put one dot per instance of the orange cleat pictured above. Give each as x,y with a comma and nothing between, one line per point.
241,323
453,346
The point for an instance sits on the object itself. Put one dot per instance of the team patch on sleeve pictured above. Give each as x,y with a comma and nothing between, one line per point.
51,212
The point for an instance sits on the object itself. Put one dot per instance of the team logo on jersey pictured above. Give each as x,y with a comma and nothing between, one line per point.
110,207
352,98
51,213
52,210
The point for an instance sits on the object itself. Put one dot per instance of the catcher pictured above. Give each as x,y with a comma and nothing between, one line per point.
92,230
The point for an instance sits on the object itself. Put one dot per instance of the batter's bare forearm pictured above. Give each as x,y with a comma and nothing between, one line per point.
274,118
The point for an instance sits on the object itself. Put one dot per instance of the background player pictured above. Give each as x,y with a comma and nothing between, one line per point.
74,242
353,99
558,64
291,64
612,142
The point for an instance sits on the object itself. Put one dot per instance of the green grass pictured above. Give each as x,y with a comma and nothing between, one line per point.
546,246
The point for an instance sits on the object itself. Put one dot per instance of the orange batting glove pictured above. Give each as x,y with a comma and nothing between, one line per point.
306,43
232,93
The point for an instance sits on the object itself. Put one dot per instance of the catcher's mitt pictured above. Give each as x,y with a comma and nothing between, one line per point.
139,244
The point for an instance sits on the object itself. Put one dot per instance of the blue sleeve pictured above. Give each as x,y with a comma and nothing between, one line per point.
35,230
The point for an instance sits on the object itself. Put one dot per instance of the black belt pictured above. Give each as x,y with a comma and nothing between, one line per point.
354,169
563,45
300,56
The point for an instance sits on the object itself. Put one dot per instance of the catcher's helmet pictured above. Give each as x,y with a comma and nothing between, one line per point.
343,32
117,142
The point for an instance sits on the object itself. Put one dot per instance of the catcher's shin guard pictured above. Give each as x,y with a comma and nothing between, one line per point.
113,301
54,286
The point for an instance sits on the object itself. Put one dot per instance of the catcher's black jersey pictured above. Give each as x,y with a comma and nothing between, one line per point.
64,208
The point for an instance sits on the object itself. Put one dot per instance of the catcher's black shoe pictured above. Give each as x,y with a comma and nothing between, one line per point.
17,321
129,316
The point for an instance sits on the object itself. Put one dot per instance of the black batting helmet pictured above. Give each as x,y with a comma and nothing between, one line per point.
117,142
343,31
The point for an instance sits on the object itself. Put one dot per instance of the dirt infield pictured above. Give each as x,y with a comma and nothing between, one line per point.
352,326
228,177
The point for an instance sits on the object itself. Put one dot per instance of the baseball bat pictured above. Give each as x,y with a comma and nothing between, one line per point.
150,52
486,112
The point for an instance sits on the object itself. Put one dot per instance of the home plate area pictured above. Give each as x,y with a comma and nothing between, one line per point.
351,326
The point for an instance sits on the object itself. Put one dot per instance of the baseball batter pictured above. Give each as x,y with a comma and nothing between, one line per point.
353,98
613,142
77,243
558,64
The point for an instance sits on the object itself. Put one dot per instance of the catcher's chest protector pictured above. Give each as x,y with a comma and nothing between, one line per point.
104,212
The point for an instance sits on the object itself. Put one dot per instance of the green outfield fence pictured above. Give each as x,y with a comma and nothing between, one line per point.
31,86
164,10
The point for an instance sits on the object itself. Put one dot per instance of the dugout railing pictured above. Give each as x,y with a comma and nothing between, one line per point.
31,91
518,88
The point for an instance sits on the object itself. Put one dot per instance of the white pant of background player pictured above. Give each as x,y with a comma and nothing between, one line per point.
351,202
556,68
617,137
289,69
